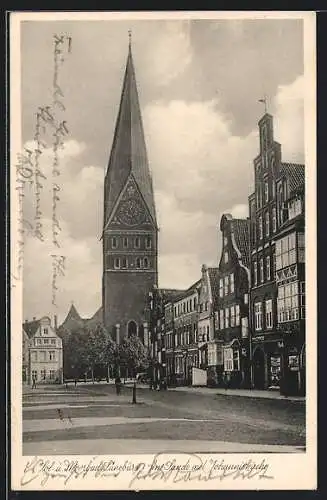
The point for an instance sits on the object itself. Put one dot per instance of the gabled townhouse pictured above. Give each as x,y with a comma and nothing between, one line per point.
232,315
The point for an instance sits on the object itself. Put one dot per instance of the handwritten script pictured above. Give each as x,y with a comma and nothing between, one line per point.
187,468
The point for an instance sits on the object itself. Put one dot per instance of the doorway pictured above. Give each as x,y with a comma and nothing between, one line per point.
259,369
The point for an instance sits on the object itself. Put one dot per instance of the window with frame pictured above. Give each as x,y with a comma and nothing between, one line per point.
268,275
269,315
45,331
34,374
262,278
137,242
52,355
274,220
114,242
237,315
53,341
124,262
117,263
258,315
146,263
255,273
232,316
226,317
46,341
43,374
226,285
294,208
148,242
221,287
260,227
225,240
301,247
138,263
267,223
208,332
221,319
125,242
226,257
288,302
245,327
228,360
286,251
51,374
39,341
232,285
302,299
266,190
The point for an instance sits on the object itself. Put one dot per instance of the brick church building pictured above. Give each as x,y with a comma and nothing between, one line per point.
130,231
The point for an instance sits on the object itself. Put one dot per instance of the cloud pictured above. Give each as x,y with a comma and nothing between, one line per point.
289,120
169,52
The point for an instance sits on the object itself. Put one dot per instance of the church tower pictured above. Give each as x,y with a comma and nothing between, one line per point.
130,231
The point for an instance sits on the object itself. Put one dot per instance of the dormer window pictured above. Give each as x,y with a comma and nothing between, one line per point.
45,331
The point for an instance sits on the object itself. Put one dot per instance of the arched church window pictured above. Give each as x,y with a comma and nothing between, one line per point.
131,328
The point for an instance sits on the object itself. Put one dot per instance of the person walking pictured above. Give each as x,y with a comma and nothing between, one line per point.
118,385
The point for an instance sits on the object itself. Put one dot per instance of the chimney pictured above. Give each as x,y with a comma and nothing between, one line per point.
55,322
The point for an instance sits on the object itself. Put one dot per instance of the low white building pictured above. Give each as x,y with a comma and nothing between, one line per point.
45,352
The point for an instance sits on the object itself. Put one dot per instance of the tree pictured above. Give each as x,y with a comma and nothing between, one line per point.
75,353
133,354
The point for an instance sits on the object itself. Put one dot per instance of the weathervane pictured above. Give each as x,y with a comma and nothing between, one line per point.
264,101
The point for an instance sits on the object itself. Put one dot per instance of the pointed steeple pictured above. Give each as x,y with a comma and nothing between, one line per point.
128,152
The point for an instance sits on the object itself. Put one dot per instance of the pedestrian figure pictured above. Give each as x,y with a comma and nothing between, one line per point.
61,416
118,385
33,382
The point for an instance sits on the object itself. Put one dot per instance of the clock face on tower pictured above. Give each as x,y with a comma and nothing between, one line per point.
131,212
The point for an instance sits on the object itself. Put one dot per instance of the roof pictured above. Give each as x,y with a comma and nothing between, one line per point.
295,173
241,231
128,153
31,327
74,320
213,273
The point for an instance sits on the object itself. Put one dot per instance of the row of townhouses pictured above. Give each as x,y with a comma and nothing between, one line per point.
243,323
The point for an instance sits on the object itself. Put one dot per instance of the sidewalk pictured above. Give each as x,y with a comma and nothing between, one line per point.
238,392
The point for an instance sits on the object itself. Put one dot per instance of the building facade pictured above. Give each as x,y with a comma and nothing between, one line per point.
45,352
265,224
232,316
290,277
25,357
130,232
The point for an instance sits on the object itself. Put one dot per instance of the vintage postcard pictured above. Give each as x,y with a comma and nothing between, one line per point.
163,236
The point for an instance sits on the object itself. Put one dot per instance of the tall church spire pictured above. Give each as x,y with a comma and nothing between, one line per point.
128,153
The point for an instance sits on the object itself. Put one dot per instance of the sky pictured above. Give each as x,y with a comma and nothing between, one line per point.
199,83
